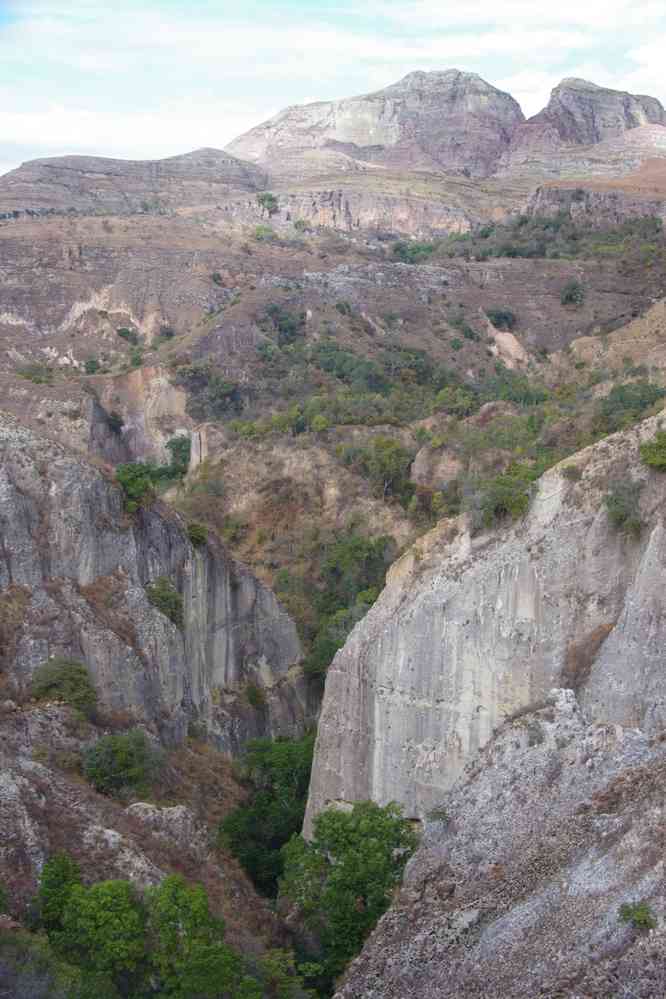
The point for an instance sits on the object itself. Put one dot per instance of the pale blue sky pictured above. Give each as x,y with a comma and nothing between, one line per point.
151,78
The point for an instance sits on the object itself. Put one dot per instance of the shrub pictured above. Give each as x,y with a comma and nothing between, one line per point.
65,680
131,336
91,366
136,357
197,533
264,233
115,422
59,875
456,343
4,899
639,914
571,472
622,504
180,448
289,327
255,696
343,880
268,203
386,464
164,595
502,319
39,374
344,308
119,762
624,405
504,496
412,252
653,453
136,481
217,279
277,775
210,395
573,293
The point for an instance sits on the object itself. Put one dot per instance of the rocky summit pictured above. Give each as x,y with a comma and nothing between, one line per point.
331,556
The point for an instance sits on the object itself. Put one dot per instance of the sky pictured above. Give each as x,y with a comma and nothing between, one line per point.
143,79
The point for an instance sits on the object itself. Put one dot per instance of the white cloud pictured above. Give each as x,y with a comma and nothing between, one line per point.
145,79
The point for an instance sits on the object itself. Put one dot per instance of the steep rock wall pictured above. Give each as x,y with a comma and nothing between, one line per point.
469,629
79,567
517,886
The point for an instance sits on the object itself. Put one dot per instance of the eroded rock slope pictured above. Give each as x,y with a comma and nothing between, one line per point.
517,887
73,576
470,629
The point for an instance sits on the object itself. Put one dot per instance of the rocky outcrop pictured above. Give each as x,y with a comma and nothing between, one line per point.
588,129
472,628
440,121
79,567
98,184
524,865
594,208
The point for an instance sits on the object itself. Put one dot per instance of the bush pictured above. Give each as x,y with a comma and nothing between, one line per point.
65,680
386,464
278,776
217,279
289,327
198,534
255,696
504,496
115,422
268,203
625,404
131,336
117,763
264,233
622,504
412,252
164,595
180,448
136,481
38,374
31,969
4,899
211,396
343,880
571,472
639,914
59,876
502,319
653,453
91,366
103,930
573,293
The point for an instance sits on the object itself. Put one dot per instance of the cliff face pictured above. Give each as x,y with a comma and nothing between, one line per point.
434,121
589,207
516,888
96,183
73,574
471,629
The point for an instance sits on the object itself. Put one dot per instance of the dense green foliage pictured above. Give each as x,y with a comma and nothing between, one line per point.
386,464
504,496
197,534
625,404
639,914
622,504
107,942
210,396
351,572
65,680
653,452
289,327
277,775
413,252
119,763
139,480
556,237
502,318
573,293
343,880
268,203
164,595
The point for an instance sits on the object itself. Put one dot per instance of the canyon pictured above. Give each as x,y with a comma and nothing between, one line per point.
362,317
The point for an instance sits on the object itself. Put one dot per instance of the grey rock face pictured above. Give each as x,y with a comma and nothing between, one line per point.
582,113
95,183
82,566
595,207
436,121
516,888
469,630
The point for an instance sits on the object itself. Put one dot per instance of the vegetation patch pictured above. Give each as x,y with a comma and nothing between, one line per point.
65,680
164,595
639,914
653,452
116,764
622,503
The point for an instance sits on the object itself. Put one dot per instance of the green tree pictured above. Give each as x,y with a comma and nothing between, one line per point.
60,874
65,680
343,880
118,762
103,930
278,775
164,595
187,950
653,452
